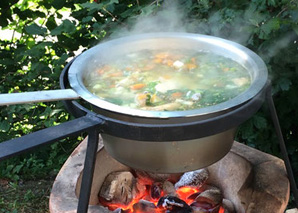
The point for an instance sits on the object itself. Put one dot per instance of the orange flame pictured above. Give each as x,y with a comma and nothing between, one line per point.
183,193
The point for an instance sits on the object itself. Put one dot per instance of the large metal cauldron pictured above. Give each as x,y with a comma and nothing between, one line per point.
168,141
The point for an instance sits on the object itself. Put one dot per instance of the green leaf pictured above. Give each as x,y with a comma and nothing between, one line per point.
92,6
284,84
66,27
272,3
295,28
4,126
259,122
34,29
87,19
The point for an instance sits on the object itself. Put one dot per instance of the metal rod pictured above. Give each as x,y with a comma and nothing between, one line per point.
46,136
37,96
282,145
88,171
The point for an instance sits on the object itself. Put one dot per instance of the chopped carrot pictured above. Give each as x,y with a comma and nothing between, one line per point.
193,60
176,95
157,60
103,69
100,71
162,55
116,74
166,76
141,96
153,97
225,69
148,67
170,63
191,66
137,86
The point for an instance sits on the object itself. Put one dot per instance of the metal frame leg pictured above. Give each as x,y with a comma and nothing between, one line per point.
282,145
88,170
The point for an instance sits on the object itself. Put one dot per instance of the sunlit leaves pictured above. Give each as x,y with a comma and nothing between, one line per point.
66,27
4,126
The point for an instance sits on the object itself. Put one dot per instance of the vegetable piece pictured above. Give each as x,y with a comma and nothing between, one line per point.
141,99
176,95
191,66
164,107
137,86
116,74
240,81
178,64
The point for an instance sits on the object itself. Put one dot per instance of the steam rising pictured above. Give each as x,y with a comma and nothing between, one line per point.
168,19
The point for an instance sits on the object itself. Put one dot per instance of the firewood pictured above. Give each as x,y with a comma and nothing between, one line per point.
117,187
120,210
193,179
204,208
139,189
144,206
212,196
155,190
169,188
173,204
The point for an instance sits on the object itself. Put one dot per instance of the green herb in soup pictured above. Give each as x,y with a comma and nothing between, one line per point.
168,80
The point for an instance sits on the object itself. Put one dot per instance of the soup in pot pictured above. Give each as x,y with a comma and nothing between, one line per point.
168,80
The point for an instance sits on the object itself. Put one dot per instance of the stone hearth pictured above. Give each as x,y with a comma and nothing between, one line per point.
254,181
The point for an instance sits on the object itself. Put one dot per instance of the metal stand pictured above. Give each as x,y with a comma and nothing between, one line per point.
95,123
88,170
282,145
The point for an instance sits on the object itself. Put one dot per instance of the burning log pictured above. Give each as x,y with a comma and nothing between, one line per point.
213,197
144,206
173,204
120,210
193,179
204,208
169,188
139,189
155,190
118,187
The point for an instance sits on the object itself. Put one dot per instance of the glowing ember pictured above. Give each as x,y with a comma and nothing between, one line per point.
142,193
184,193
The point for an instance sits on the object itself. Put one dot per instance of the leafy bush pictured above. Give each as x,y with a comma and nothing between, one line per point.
46,34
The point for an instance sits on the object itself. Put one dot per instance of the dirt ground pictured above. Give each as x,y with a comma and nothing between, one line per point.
25,196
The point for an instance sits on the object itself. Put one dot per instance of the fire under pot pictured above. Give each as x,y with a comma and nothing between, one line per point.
252,180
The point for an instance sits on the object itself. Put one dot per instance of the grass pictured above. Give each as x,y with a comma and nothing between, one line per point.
28,196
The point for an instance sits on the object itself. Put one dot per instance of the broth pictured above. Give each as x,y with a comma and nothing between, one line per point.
168,80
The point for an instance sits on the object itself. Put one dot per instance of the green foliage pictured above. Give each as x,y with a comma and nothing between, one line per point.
46,34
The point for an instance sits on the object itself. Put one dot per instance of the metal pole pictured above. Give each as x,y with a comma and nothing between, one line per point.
282,145
88,170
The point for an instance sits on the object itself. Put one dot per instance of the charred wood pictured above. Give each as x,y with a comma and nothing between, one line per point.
118,187
144,206
119,210
173,204
193,179
204,208
169,188
155,190
212,196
